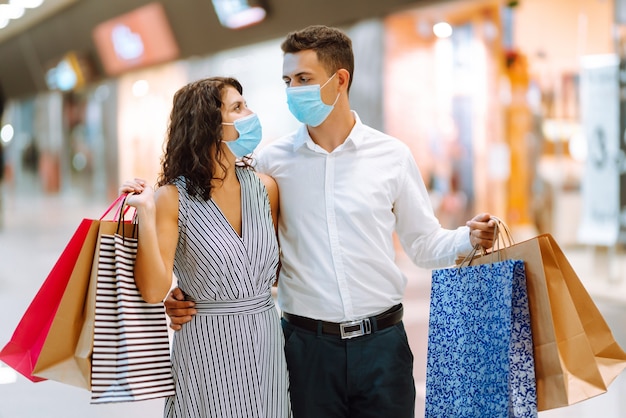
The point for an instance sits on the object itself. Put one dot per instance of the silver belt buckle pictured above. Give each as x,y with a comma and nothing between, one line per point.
364,328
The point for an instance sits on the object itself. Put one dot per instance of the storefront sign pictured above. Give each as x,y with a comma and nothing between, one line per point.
600,114
137,39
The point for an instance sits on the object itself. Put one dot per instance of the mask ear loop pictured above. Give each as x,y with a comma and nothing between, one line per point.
324,85
328,81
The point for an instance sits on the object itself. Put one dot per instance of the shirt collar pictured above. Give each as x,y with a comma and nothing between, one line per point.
356,135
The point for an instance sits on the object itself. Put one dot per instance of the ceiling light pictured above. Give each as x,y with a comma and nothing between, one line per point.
442,30
6,133
11,11
28,4
140,88
237,14
14,10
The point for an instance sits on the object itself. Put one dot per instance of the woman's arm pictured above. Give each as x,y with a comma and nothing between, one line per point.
272,192
157,215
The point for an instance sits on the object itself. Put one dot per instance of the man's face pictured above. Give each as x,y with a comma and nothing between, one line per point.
303,69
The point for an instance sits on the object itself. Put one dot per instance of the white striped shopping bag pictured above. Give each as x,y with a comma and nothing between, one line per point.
131,356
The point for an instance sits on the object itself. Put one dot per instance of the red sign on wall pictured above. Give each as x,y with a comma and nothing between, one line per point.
136,39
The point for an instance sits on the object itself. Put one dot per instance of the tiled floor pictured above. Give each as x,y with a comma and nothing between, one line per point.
35,230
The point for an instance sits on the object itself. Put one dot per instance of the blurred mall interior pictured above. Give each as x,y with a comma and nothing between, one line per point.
510,107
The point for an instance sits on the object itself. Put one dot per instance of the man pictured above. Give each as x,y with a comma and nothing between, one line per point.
344,189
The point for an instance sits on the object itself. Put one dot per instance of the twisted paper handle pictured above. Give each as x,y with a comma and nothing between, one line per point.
502,238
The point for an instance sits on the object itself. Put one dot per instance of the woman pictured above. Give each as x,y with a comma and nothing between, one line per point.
211,222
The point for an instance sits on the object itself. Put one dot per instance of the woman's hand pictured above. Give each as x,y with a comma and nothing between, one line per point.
141,195
136,185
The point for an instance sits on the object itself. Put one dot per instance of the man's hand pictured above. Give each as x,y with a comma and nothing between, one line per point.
178,309
482,228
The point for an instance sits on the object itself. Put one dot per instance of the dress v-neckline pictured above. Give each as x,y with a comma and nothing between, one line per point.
241,205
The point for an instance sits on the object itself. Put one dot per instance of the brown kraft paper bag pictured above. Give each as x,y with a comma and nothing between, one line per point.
66,353
57,360
576,355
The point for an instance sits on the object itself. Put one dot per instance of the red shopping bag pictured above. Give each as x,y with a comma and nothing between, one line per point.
22,351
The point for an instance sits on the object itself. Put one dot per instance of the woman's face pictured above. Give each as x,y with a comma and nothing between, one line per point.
233,108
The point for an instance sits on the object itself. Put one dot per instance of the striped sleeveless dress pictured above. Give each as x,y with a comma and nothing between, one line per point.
229,360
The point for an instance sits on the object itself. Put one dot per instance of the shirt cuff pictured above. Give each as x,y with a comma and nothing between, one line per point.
462,241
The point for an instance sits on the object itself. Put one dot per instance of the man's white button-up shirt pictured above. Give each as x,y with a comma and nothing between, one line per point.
338,212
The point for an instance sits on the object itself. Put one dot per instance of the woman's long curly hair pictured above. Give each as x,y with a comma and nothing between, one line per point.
194,135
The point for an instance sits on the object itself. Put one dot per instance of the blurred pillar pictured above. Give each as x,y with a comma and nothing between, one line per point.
620,23
518,125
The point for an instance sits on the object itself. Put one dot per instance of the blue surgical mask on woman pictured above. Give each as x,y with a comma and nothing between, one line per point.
305,103
250,133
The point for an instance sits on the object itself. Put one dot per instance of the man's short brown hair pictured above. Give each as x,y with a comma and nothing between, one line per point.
332,46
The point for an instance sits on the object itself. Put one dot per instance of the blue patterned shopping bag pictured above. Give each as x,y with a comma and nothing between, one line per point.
480,352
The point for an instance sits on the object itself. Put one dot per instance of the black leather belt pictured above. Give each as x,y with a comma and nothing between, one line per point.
348,329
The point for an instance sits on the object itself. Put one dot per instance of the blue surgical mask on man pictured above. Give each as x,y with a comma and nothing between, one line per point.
305,103
250,133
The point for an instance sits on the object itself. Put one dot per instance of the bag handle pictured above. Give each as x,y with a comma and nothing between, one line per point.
121,214
504,234
116,203
502,238
123,205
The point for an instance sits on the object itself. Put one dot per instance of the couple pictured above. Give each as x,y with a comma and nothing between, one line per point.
344,189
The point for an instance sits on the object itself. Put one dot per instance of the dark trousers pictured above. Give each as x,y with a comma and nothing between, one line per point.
364,377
